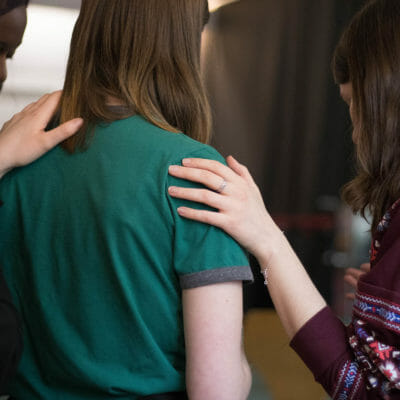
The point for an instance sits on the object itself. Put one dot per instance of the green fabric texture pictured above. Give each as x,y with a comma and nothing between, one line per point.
92,248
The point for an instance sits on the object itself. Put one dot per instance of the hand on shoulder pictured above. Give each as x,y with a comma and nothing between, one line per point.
234,193
23,138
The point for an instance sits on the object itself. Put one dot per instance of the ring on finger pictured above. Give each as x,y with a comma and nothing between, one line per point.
222,186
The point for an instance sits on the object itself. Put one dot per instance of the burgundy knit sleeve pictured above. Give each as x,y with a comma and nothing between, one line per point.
322,344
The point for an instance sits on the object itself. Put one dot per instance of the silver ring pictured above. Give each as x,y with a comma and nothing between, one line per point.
222,186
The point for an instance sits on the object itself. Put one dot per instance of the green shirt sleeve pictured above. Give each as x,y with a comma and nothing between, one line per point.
204,254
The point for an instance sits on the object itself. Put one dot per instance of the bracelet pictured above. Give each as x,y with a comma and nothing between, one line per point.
264,273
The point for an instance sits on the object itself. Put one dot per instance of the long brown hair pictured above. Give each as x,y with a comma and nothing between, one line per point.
368,56
146,54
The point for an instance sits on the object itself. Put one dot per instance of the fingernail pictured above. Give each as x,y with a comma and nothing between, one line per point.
172,168
186,161
172,190
181,210
78,122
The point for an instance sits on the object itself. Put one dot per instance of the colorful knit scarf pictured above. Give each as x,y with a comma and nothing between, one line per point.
379,362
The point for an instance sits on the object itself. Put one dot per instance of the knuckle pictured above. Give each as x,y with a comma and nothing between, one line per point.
207,218
244,170
46,143
242,196
205,195
203,175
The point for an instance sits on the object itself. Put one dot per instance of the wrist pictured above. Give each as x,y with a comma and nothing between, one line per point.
269,248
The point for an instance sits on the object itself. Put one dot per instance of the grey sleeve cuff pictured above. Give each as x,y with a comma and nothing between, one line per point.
217,275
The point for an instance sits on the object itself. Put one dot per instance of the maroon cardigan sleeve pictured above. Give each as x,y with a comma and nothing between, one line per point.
10,336
322,343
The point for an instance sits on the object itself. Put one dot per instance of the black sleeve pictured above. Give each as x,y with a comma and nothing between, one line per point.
10,336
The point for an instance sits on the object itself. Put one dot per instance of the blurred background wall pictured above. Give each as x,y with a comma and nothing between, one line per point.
266,65
276,107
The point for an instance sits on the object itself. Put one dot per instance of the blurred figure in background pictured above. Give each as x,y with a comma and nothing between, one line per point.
12,27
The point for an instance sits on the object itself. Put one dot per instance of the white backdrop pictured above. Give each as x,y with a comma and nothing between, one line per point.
38,66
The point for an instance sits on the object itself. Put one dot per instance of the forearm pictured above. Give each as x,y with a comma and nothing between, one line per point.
229,382
245,377
216,366
295,297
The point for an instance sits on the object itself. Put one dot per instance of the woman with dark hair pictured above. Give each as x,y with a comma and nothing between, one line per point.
361,361
119,297
12,27
22,140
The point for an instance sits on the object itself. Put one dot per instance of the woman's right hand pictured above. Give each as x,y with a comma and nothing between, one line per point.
23,138
353,275
234,193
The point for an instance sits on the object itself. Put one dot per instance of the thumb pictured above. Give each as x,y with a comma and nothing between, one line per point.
64,131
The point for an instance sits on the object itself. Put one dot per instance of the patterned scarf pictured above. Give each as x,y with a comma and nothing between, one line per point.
379,362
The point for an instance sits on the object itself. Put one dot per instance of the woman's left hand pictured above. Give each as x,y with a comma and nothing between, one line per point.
242,213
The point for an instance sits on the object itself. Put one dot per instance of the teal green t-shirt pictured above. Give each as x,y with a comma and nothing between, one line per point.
96,258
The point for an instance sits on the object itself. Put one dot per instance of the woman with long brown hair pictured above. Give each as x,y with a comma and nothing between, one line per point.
361,361
120,297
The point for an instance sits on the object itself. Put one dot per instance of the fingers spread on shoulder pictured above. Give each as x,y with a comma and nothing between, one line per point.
50,99
46,107
32,107
62,132
205,177
207,217
203,196
210,165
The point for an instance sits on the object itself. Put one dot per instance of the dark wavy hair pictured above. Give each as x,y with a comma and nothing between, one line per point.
145,53
368,56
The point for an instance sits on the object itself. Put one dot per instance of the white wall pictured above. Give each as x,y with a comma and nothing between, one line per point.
39,64
214,4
